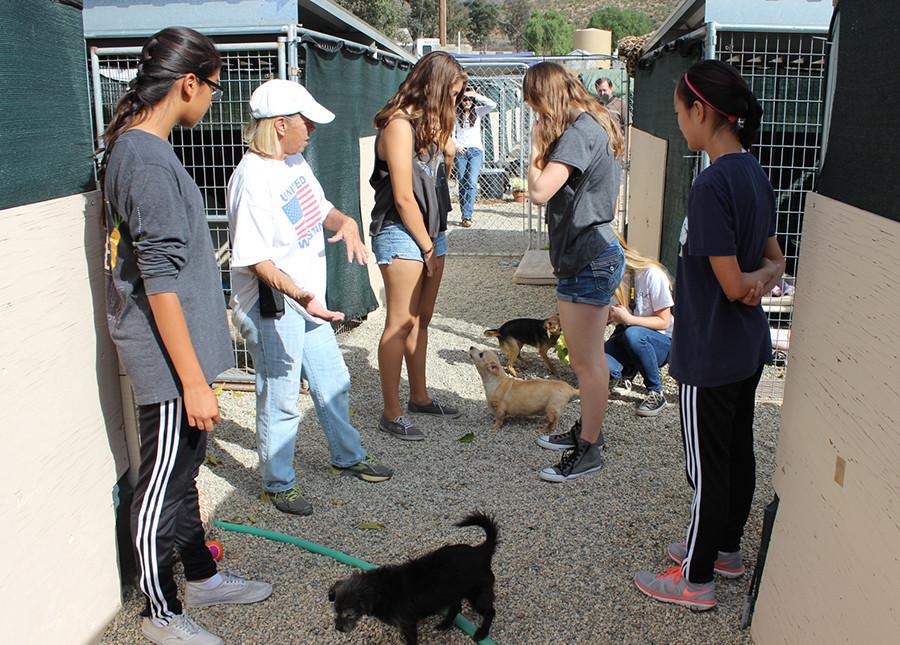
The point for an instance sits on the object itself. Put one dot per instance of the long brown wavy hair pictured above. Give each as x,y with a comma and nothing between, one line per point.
559,98
426,95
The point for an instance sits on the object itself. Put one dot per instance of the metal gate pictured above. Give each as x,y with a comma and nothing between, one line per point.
505,222
209,151
786,70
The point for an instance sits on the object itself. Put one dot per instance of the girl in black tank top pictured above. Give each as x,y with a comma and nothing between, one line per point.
412,153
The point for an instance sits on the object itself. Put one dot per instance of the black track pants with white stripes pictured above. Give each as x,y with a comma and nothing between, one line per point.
165,512
717,430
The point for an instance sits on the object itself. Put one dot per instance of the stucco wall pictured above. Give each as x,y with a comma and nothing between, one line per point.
64,446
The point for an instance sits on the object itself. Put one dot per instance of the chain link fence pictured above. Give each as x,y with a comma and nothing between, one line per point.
786,70
211,150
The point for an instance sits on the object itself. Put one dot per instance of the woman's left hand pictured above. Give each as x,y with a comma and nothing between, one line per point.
349,234
315,308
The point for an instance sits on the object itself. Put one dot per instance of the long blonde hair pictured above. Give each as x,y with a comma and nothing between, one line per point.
634,261
559,98
426,95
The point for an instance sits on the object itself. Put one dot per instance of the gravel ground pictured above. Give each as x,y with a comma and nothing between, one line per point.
568,551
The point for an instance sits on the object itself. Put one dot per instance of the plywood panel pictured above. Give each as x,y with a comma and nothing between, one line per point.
64,446
646,189
833,568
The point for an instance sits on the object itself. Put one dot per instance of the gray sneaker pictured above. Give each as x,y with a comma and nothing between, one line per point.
401,427
181,630
290,501
233,590
367,470
585,458
670,586
727,565
652,405
435,409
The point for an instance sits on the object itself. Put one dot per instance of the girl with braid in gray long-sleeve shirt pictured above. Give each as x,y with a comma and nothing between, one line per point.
166,316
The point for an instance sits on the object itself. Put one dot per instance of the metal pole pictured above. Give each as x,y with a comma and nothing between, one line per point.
710,54
293,60
98,97
282,61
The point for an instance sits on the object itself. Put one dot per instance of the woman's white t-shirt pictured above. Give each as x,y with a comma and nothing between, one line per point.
276,209
469,136
653,292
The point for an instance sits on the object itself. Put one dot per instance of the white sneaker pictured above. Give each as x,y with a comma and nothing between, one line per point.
180,631
621,387
233,590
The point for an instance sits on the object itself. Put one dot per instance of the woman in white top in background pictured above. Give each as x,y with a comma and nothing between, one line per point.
641,342
469,149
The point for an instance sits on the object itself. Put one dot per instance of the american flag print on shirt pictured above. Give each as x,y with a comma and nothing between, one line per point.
302,209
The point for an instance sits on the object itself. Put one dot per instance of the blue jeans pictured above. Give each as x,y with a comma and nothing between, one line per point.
283,350
468,167
638,349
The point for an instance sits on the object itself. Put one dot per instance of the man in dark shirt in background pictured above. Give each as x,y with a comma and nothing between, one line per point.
604,88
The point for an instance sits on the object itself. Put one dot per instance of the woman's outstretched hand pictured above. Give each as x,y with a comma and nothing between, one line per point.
315,308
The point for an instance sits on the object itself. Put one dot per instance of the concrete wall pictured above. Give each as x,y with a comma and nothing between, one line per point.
834,564
64,446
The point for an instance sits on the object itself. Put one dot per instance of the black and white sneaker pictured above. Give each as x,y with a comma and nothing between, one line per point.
620,386
561,440
585,458
652,405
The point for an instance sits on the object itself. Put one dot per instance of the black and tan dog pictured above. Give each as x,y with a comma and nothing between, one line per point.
404,594
518,332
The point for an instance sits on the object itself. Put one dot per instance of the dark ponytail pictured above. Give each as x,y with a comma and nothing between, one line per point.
167,56
721,87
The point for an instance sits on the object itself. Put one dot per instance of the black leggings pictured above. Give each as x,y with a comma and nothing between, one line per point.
165,512
717,429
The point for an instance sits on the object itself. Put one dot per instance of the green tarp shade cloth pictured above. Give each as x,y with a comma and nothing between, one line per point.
45,119
353,86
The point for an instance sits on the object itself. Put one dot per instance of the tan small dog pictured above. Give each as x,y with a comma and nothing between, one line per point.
516,397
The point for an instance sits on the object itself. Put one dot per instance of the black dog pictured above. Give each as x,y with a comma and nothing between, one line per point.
518,332
404,594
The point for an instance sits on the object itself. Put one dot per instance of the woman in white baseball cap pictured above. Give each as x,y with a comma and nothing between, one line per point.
413,150
277,214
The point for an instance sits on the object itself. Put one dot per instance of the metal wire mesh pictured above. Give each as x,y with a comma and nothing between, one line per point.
211,150
786,71
495,197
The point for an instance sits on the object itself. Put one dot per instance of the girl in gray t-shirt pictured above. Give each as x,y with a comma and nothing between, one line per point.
574,171
166,316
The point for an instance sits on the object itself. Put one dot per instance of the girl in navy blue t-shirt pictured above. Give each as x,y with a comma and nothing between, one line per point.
728,257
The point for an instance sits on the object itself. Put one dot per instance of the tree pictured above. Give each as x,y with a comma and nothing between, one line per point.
514,19
385,15
549,32
621,22
483,19
422,18
457,20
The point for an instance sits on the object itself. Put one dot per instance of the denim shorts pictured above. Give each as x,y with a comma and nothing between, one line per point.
394,241
596,283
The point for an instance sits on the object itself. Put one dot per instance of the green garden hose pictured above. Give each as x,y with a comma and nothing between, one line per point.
341,557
